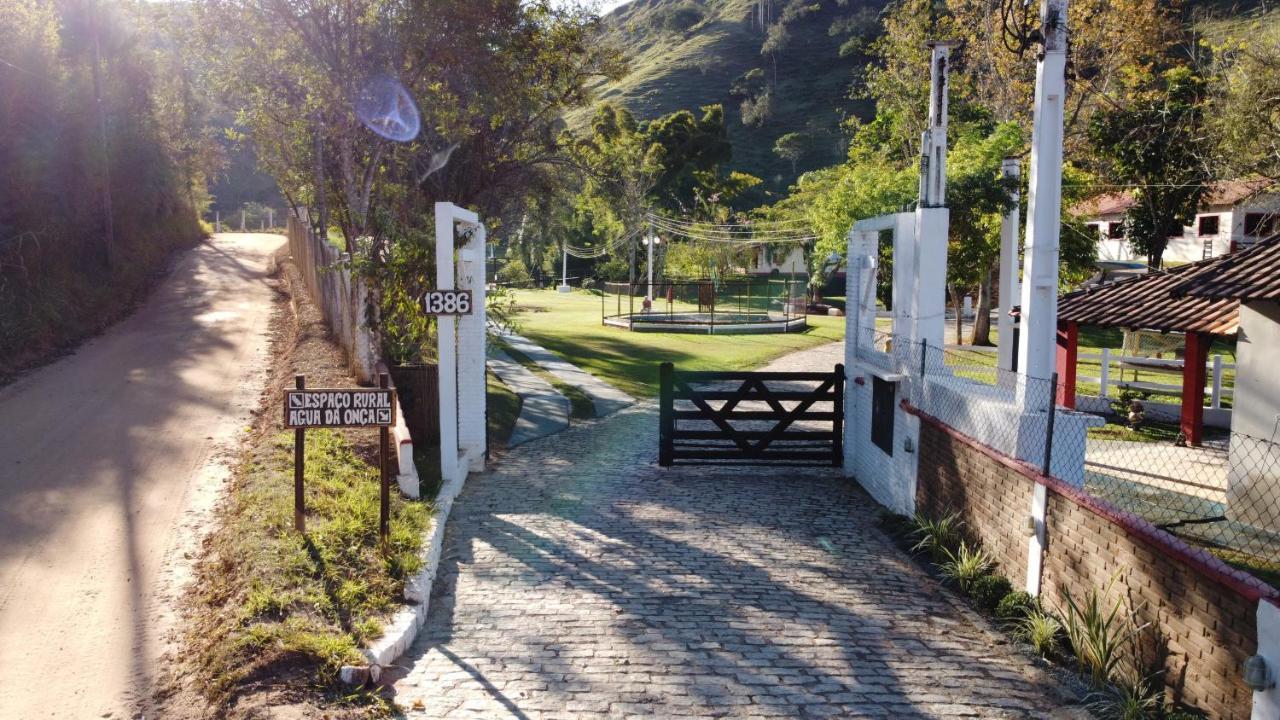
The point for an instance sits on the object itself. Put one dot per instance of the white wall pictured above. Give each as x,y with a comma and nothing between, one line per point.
1253,472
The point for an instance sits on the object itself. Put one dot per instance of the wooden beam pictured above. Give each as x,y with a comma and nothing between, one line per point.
1193,379
1068,353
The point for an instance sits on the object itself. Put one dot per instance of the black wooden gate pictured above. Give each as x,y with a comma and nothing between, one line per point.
751,417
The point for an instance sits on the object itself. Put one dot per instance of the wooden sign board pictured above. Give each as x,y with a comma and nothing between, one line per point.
345,407
447,302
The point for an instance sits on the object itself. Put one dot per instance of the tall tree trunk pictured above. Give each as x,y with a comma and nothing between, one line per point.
955,303
982,315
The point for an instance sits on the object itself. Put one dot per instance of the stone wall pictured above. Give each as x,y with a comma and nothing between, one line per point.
1204,611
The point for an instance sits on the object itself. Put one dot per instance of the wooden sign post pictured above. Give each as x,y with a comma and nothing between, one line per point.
335,408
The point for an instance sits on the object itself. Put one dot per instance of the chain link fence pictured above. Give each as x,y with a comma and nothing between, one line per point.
1223,494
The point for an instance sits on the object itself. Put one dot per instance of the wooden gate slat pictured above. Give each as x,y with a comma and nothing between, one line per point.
726,443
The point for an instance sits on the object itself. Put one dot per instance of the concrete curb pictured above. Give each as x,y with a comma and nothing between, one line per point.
404,625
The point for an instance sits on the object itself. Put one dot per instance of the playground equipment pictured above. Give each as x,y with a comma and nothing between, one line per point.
706,306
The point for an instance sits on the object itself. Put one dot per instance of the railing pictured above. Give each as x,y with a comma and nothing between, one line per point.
1223,494
708,303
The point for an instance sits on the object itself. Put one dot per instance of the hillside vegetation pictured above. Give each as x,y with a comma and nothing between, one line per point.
690,53
100,150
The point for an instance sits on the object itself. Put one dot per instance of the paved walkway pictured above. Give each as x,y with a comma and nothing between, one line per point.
579,580
543,409
606,398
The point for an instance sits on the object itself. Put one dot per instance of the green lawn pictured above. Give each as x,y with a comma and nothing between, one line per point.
569,325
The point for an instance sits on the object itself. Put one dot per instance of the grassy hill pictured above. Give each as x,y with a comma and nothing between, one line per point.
689,53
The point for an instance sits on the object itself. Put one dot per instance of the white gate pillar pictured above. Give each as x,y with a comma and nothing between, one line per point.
461,354
1010,289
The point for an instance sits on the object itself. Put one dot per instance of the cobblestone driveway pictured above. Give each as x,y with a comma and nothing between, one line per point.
582,581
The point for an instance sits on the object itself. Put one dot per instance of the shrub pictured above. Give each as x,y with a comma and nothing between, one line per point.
965,565
1104,637
1040,629
935,536
988,590
1015,606
514,273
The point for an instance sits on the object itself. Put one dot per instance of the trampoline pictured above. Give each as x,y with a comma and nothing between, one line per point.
707,306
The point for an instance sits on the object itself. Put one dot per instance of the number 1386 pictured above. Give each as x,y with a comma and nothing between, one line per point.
447,302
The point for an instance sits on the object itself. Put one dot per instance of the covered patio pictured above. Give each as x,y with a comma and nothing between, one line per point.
1152,302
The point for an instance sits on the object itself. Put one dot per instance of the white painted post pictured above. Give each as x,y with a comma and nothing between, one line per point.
217,221
471,353
1037,344
1216,397
447,352
1104,376
271,217
1266,703
242,221
932,216
1008,284
650,241
966,304
564,268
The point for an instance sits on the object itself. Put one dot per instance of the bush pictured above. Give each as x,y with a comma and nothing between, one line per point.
935,536
988,590
514,273
1015,606
965,566
1040,629
612,270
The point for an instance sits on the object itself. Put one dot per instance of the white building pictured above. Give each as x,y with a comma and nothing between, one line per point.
1232,215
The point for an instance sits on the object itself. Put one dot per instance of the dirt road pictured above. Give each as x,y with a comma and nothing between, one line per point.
108,459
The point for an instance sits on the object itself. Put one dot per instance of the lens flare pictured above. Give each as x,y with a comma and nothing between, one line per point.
385,107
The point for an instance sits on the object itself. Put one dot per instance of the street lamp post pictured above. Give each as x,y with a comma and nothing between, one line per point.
651,241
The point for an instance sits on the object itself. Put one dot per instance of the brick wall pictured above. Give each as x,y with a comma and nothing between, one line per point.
1204,611
993,502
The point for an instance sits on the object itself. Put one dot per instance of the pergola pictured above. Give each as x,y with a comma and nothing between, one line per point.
1155,302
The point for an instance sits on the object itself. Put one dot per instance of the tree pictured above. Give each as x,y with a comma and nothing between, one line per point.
1154,143
1244,111
791,146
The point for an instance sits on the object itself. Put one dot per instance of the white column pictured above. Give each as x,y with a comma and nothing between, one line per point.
1266,703
564,268
904,278
650,241
933,145
471,353
1008,286
1038,339
932,219
447,351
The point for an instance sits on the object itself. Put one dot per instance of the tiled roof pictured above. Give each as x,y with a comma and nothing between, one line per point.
1147,302
1252,273
1227,192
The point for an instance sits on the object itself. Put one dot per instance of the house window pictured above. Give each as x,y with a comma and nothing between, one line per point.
1207,225
1096,227
1115,230
1260,225
883,395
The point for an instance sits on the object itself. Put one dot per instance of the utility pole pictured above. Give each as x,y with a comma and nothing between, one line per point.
564,267
1008,286
932,216
1037,344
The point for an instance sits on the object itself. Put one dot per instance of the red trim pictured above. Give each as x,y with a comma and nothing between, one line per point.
1197,559
407,441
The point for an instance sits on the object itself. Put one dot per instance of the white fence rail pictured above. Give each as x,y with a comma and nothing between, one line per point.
1216,390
